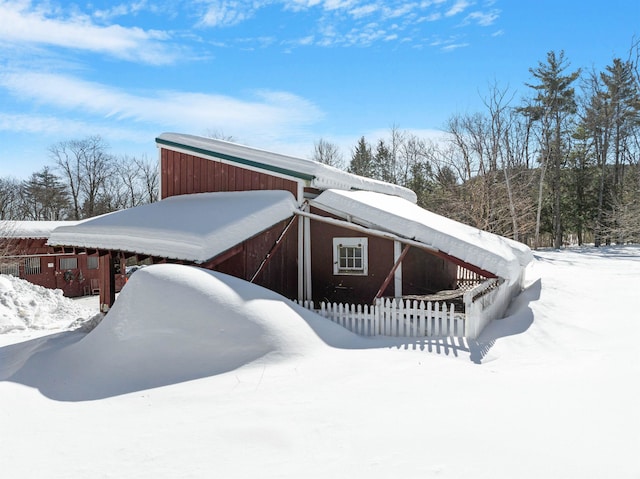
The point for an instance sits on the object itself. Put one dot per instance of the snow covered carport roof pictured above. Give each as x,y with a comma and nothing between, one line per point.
31,229
490,252
194,227
313,173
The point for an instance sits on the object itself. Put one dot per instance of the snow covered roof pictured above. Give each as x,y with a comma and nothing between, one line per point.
485,250
318,175
31,229
189,227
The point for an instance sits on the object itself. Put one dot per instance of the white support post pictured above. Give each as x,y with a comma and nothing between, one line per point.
301,240
307,259
397,279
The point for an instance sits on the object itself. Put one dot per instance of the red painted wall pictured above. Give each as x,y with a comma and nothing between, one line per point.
347,288
281,271
182,174
422,272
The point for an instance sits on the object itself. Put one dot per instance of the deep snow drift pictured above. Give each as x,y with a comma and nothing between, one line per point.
170,324
549,391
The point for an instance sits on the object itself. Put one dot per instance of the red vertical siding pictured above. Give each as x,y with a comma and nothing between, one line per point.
184,174
197,165
347,288
422,273
280,273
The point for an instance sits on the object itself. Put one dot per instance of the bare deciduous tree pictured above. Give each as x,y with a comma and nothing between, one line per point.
327,153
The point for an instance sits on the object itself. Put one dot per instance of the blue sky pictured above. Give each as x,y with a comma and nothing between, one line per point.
275,74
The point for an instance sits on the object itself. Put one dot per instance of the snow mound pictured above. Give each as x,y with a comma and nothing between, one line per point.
24,305
174,323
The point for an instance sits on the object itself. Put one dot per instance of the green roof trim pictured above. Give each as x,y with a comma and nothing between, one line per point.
236,159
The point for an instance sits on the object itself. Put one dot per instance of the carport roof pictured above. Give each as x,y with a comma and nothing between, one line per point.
493,253
193,228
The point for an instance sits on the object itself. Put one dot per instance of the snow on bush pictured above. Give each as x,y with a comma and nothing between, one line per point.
24,305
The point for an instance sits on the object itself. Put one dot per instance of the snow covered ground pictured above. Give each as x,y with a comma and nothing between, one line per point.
195,375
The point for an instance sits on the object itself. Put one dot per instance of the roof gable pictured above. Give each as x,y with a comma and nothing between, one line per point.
314,174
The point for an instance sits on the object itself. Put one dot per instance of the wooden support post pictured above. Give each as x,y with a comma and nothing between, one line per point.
387,280
107,281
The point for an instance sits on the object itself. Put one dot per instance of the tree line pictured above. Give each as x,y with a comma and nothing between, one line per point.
561,165
84,180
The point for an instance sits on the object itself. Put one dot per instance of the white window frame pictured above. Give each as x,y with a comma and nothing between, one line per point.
339,266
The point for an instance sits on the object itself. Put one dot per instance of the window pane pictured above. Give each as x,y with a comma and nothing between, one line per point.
350,256
32,266
68,263
9,268
92,262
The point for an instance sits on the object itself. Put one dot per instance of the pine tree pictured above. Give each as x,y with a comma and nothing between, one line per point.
383,163
362,162
45,197
553,106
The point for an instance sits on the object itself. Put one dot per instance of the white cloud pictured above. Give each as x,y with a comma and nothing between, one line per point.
454,46
121,10
227,13
55,125
266,113
346,22
449,44
23,23
458,7
483,19
364,10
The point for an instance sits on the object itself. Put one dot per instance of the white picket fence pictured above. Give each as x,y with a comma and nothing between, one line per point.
415,318
395,317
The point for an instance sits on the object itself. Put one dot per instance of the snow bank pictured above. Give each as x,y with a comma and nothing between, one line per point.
27,306
174,323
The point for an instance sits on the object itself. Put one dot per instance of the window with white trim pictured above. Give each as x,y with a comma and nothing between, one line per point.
32,265
68,263
350,256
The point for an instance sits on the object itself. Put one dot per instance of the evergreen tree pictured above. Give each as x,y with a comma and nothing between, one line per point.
554,104
362,162
45,197
611,119
383,163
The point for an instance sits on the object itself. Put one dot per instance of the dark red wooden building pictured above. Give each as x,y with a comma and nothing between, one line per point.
327,234
26,254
